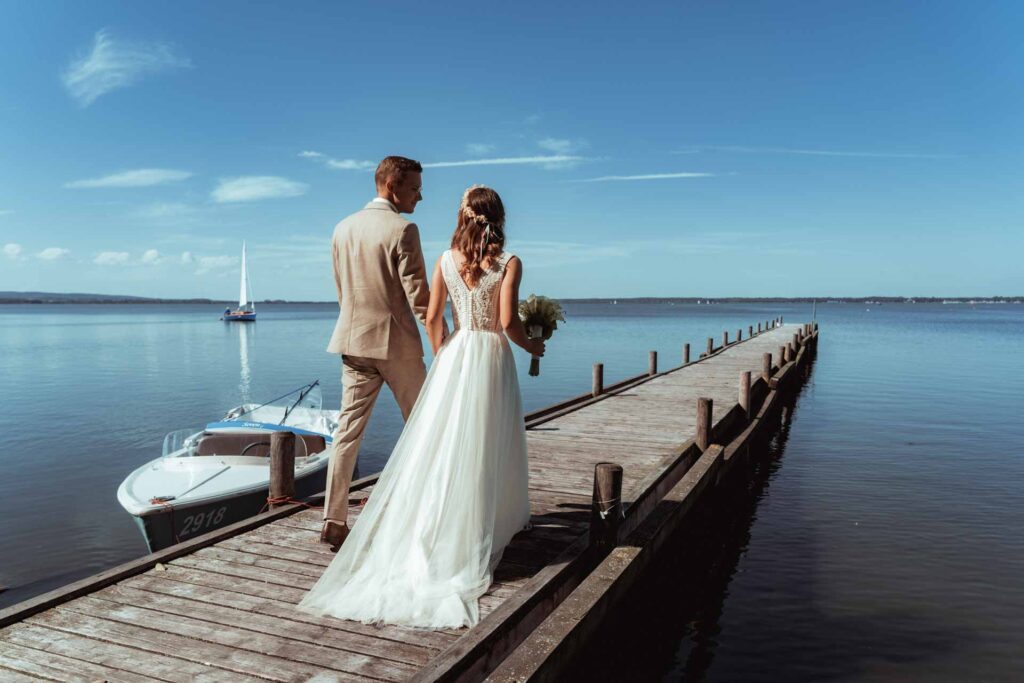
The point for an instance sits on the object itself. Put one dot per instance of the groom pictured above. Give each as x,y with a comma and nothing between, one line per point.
382,290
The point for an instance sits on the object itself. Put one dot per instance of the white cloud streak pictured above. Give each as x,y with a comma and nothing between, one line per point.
151,257
479,149
208,263
561,146
351,164
142,177
53,253
255,188
309,154
505,161
646,176
812,152
114,64
12,251
112,258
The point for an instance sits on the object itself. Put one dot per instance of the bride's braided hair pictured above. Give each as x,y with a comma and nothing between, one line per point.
479,231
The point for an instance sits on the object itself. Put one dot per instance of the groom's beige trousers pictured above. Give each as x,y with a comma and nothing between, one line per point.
361,380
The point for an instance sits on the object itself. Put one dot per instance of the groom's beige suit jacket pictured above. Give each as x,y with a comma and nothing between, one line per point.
382,284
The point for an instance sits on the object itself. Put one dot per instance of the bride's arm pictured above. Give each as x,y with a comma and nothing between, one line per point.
435,309
509,309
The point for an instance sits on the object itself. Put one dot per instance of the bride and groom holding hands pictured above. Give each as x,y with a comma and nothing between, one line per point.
454,491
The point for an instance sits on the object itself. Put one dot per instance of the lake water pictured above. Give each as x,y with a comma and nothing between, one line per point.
883,538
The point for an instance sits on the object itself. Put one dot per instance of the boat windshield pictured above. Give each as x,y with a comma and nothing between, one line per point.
179,439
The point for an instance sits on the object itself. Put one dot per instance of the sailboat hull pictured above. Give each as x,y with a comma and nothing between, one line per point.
239,317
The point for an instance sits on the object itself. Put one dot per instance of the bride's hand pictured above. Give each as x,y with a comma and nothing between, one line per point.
536,347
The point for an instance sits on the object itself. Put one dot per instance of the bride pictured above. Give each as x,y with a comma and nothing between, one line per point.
454,490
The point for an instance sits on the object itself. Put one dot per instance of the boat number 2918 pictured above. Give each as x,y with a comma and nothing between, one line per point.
202,520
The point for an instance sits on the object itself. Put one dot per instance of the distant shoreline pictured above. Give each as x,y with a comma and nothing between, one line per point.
75,298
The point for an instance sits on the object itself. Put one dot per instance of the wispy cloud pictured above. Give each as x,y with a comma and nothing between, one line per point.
166,212
207,263
646,176
561,145
351,164
142,177
504,161
478,149
114,63
12,251
811,152
151,257
254,188
112,258
339,164
53,253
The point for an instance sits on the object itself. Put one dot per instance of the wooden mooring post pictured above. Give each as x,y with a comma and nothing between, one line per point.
725,338
652,363
711,345
750,331
704,407
282,468
686,354
766,367
745,392
606,506
782,356
598,383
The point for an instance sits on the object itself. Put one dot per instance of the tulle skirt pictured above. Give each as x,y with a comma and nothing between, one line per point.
450,498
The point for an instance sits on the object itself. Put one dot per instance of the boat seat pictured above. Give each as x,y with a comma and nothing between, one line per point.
233,443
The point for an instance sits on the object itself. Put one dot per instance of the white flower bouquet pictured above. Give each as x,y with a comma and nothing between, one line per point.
540,316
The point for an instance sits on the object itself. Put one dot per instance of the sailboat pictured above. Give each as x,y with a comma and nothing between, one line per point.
246,310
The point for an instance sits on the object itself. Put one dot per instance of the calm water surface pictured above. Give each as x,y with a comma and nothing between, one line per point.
882,540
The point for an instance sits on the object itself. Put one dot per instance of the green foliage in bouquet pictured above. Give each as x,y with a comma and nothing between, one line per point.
543,312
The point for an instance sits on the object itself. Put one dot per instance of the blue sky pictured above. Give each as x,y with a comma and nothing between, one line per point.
653,149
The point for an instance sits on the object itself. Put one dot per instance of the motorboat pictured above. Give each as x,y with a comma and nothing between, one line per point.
211,477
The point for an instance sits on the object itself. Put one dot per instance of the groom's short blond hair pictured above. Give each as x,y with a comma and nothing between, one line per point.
394,169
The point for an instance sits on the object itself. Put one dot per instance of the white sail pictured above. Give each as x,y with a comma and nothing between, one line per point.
243,293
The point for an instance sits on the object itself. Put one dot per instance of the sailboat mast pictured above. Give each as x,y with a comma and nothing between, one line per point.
243,289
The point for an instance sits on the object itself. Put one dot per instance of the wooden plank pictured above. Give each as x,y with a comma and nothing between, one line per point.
229,616
56,667
205,655
185,585
15,676
116,656
268,648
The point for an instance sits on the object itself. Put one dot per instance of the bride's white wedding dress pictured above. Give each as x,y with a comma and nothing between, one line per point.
454,491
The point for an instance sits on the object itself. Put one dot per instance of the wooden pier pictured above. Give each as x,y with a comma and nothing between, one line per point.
612,473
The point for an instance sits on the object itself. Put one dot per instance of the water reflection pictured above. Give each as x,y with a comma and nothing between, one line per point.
245,378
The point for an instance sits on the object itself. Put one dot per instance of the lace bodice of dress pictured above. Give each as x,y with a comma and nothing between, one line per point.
476,308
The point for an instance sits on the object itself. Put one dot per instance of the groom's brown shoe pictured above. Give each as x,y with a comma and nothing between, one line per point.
333,534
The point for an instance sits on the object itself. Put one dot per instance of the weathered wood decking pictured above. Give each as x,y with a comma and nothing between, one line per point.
222,607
